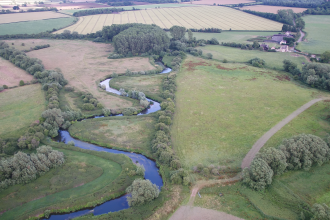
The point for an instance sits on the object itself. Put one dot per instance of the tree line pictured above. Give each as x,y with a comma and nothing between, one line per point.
97,11
3,11
283,16
293,3
23,168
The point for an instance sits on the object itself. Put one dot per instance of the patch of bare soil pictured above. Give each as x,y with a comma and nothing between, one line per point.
10,75
191,65
282,78
85,62
224,68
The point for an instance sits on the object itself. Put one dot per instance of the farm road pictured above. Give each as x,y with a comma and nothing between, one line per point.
261,142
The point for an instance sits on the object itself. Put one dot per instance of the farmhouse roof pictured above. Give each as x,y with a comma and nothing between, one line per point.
279,37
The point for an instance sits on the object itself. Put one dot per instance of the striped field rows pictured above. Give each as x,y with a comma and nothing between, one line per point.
190,17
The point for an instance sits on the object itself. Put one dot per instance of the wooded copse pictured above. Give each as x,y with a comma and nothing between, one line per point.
97,11
283,16
293,3
22,168
299,152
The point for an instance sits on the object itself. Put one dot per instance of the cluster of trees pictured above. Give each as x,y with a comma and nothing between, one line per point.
169,87
293,3
147,72
125,3
323,9
23,168
207,30
130,111
142,191
90,102
3,11
97,11
257,62
299,152
38,47
286,28
140,39
8,146
254,46
314,74
134,94
283,16
32,137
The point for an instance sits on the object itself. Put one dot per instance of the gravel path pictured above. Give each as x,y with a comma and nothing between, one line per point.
260,143
302,34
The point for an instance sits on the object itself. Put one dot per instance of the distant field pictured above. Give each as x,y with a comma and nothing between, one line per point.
130,133
85,62
223,109
135,6
272,9
318,32
35,27
273,60
29,16
221,2
19,107
10,75
189,17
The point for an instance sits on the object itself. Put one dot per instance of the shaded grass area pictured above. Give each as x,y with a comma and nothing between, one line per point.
19,107
109,181
35,27
273,59
127,133
223,109
283,199
312,121
317,28
149,84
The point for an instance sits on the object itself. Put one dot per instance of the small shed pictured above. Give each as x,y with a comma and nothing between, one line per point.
283,42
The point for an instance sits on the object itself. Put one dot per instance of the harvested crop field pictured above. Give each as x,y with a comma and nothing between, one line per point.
19,107
220,2
29,16
271,9
189,17
85,62
10,75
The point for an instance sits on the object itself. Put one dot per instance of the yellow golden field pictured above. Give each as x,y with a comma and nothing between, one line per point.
189,17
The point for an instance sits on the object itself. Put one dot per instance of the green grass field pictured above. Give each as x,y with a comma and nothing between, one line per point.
19,107
85,177
222,109
312,121
35,27
149,84
317,28
273,59
128,133
286,193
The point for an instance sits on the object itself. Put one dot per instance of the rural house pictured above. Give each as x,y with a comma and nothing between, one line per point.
283,42
284,48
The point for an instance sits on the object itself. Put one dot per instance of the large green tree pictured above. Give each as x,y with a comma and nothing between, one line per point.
177,32
142,191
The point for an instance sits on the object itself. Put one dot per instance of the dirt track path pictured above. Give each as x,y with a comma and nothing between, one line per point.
261,142
302,34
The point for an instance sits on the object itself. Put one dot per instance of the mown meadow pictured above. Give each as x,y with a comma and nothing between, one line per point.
222,109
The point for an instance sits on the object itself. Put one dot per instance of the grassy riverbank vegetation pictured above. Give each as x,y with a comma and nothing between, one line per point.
86,179
127,133
19,107
222,109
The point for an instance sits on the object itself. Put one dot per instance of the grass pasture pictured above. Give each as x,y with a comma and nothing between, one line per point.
272,9
86,176
11,75
35,27
208,17
31,16
317,40
19,107
273,59
83,63
149,84
223,109
128,133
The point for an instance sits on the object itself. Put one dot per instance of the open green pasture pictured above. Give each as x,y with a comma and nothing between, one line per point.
223,109
128,133
85,177
20,106
149,84
286,193
273,59
317,40
312,121
35,27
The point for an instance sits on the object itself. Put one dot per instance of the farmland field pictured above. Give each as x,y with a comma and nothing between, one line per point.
273,60
31,16
10,75
317,28
35,27
85,62
209,17
128,133
19,107
271,9
222,109
221,2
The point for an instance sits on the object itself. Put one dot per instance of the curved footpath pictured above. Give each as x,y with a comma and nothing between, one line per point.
189,212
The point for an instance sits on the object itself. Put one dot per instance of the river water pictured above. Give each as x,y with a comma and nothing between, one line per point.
151,172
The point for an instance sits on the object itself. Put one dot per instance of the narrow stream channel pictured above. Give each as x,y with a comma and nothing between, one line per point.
151,172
